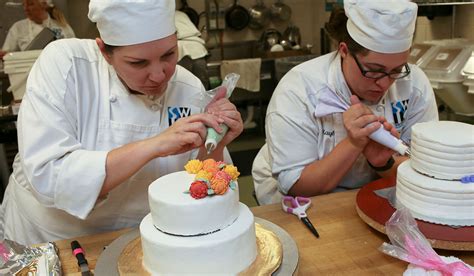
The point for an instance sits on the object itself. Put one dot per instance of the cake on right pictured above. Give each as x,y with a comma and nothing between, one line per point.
437,183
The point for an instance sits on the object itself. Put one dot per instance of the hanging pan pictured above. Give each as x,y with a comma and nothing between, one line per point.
190,12
237,17
259,16
280,12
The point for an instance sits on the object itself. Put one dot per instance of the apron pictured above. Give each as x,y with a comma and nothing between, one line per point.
124,206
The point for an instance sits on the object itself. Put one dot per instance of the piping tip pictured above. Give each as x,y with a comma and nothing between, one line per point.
408,152
210,147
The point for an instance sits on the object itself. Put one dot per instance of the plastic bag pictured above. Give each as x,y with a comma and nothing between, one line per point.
17,259
410,245
229,82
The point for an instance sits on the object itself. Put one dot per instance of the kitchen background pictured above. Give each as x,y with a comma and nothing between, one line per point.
434,22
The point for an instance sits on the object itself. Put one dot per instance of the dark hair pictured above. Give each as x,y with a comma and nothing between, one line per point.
337,30
109,48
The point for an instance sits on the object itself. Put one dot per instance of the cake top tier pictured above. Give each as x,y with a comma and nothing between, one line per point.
175,211
447,133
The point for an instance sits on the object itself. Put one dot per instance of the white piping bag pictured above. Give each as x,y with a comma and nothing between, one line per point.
335,102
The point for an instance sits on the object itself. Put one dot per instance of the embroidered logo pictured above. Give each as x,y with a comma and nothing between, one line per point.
398,110
177,112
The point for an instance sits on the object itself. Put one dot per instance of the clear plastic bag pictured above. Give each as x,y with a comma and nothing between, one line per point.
410,245
229,82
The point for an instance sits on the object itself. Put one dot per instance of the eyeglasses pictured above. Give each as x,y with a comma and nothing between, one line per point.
381,74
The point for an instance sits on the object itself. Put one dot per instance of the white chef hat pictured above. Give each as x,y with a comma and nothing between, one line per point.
128,22
384,26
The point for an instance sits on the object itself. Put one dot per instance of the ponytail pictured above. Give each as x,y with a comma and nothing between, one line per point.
57,15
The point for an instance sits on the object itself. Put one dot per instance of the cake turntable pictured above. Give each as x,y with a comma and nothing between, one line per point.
112,257
376,211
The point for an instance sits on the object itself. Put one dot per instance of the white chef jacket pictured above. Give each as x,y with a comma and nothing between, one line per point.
74,112
296,136
24,31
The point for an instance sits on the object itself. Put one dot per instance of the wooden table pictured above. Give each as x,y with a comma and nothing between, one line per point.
347,245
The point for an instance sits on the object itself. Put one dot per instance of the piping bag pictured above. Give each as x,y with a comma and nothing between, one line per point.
213,137
334,103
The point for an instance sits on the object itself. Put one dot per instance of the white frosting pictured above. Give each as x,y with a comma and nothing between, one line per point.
226,252
434,200
444,150
176,212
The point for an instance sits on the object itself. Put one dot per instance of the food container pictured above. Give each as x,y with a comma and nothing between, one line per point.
443,64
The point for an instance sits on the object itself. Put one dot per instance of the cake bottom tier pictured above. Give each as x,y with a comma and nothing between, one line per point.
433,200
226,252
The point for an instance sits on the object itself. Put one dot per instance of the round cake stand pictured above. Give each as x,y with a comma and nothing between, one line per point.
376,211
108,259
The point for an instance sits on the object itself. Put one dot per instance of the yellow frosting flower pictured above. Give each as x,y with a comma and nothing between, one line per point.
232,171
210,165
202,174
193,166
219,185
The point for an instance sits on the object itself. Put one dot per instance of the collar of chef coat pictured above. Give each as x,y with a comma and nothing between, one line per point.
336,81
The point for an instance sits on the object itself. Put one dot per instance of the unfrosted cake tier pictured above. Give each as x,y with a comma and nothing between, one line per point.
177,213
434,200
443,150
226,252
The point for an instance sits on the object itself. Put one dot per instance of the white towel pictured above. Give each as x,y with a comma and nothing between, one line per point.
248,69
184,27
191,48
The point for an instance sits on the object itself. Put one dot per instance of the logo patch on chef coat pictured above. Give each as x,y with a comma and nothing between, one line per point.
398,110
177,112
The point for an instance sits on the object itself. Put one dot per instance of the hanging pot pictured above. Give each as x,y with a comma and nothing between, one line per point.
292,35
237,17
190,12
259,16
280,12
269,38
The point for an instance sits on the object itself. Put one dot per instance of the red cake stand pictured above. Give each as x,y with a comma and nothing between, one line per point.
376,211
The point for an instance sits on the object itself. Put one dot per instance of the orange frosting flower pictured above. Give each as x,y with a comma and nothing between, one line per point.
210,165
232,171
193,166
219,185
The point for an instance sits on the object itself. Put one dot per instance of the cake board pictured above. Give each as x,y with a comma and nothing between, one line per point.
376,211
107,263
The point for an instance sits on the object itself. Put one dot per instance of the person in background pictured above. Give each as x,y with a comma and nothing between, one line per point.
40,14
312,147
101,120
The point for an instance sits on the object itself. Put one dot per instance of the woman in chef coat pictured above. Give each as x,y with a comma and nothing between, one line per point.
40,14
103,119
313,146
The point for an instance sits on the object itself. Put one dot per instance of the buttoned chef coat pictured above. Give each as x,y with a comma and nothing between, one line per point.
296,136
24,31
74,112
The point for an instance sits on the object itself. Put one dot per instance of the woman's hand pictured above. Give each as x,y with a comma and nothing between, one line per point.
359,123
378,154
186,134
221,107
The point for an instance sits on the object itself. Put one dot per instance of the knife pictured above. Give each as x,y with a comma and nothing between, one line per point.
81,258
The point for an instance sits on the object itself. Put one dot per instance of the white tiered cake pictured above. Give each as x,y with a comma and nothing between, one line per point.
429,184
185,235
